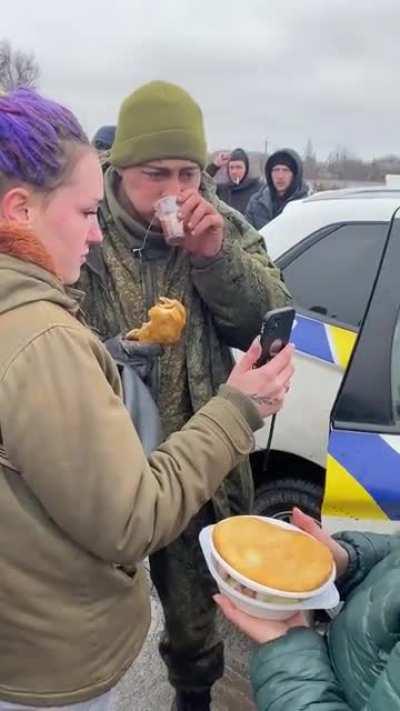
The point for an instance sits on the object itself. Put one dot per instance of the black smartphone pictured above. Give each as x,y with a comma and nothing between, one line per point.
275,333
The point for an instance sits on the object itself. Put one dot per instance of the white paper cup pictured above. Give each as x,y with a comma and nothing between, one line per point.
166,209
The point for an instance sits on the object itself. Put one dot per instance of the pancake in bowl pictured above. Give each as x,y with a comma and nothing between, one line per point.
267,554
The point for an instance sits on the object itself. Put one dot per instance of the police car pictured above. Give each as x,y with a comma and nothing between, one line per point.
337,440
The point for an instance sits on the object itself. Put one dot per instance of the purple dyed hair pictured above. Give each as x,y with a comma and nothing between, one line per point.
36,135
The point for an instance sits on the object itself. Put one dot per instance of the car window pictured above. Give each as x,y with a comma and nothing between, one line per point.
395,374
334,275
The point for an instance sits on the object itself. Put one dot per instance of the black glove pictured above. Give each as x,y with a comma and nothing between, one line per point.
138,355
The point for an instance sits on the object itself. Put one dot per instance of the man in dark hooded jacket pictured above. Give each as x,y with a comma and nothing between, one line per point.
284,175
239,188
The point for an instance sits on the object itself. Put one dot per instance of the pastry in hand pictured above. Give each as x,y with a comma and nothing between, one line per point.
167,321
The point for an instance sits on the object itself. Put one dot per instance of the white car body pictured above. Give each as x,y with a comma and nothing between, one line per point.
301,218
302,427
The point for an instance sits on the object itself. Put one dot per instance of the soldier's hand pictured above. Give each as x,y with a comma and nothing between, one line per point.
204,226
140,356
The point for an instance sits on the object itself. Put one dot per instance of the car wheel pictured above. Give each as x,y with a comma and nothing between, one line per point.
277,498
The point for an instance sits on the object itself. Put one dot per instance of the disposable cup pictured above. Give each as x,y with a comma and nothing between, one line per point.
167,212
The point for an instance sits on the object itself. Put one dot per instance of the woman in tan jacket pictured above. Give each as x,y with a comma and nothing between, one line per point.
80,505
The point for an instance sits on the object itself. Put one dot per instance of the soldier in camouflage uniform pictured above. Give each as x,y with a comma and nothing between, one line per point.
227,282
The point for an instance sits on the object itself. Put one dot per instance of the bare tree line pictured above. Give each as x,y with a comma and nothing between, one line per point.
17,68
343,164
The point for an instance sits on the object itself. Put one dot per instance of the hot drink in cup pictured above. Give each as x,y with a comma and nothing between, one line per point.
167,212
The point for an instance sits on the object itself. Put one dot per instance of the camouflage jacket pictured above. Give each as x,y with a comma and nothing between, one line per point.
225,297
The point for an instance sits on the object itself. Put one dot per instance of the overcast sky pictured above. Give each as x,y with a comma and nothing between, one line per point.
276,70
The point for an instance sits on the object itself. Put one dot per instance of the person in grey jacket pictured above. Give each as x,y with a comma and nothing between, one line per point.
284,176
357,664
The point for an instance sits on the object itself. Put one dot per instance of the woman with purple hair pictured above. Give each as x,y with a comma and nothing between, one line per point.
80,504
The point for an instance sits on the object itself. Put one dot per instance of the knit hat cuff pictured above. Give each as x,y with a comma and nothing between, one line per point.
175,143
282,158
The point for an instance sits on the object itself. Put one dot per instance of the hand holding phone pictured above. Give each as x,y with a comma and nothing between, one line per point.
266,386
275,333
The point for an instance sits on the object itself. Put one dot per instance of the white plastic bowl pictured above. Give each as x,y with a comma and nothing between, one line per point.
326,601
220,566
256,608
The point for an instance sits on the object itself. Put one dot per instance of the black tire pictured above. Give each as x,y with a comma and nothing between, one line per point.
277,498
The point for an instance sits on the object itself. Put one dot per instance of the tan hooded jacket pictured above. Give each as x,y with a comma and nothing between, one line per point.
80,506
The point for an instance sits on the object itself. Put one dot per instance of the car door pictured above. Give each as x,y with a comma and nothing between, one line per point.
363,464
330,275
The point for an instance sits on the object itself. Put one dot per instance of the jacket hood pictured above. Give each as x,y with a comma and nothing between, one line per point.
239,154
285,156
27,273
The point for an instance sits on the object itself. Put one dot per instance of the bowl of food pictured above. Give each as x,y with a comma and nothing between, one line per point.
266,559
255,598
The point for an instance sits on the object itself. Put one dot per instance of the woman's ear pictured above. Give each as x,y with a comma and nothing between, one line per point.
18,206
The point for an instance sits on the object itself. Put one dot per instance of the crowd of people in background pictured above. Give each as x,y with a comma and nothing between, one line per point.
260,201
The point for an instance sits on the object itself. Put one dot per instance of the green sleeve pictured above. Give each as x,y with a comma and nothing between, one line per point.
386,693
78,452
365,551
212,169
294,672
241,284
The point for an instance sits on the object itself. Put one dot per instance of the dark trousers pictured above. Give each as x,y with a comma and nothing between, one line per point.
189,646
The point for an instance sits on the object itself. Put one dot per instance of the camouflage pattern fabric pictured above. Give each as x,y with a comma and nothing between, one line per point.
226,299
189,646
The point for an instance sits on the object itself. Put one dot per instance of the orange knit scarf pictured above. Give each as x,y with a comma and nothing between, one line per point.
21,243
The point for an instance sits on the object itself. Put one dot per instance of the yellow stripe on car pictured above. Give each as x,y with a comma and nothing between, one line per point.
345,497
342,344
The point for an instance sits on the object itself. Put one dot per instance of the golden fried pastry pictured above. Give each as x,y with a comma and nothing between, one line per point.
273,556
167,321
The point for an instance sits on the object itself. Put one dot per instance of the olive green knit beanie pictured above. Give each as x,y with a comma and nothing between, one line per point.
159,120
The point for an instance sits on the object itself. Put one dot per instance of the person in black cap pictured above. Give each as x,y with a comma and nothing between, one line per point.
239,188
284,175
